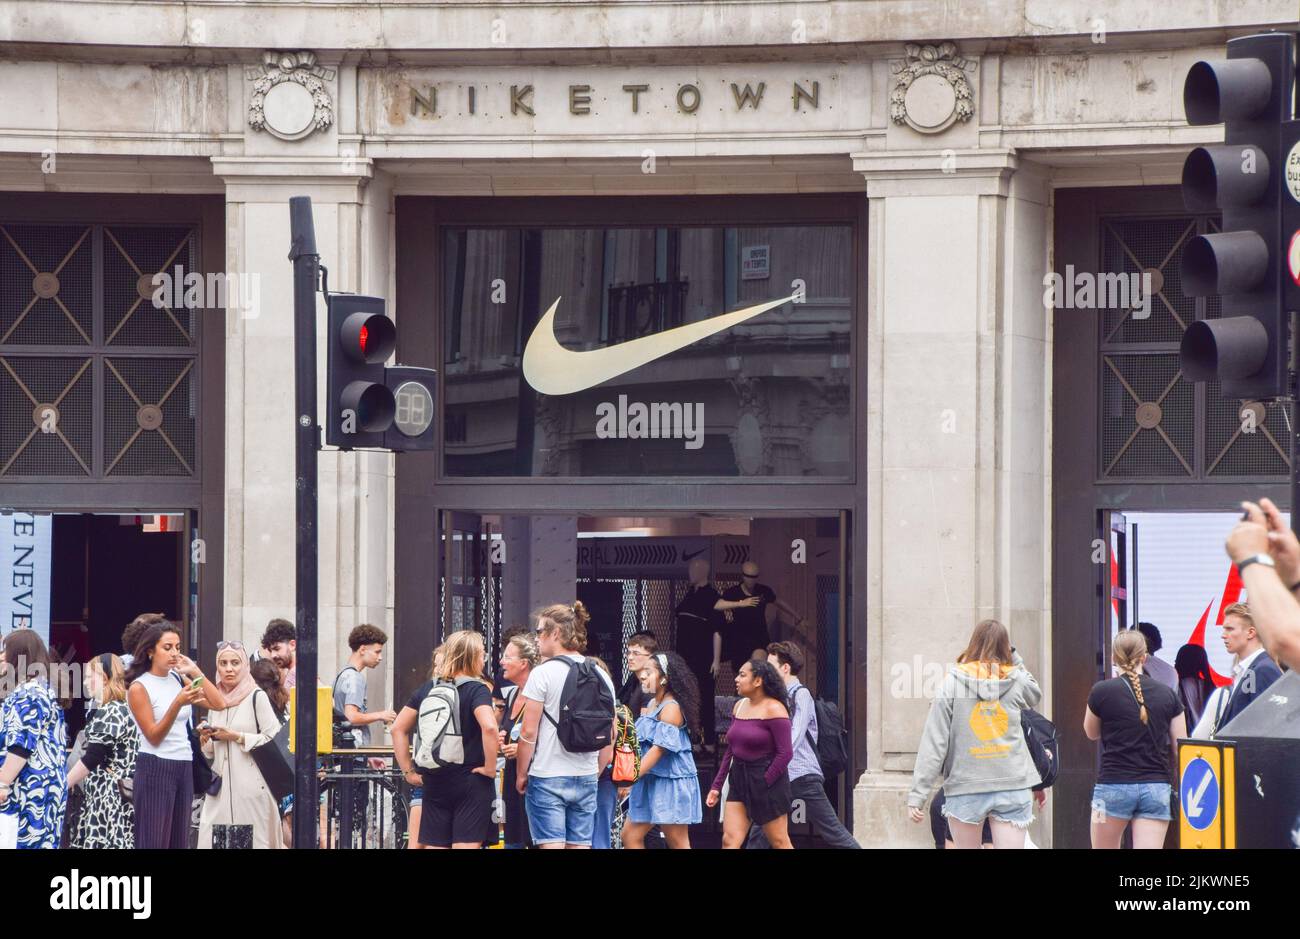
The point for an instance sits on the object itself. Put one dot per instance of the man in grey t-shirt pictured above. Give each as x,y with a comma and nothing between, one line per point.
367,645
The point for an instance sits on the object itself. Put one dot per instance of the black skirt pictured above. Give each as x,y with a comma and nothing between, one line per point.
746,783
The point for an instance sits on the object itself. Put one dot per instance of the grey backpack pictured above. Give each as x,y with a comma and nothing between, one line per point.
438,740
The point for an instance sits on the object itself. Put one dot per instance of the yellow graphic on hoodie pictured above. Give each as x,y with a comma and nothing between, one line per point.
988,721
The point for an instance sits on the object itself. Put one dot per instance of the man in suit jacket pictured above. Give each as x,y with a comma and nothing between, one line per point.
1254,670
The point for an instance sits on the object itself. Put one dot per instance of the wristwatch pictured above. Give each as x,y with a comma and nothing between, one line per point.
1254,559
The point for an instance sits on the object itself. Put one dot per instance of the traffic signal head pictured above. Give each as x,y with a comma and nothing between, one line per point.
359,405
1251,93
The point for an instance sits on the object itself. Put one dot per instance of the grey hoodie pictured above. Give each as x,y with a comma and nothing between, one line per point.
972,737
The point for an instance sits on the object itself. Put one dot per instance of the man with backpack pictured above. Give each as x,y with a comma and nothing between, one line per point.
568,732
807,779
367,645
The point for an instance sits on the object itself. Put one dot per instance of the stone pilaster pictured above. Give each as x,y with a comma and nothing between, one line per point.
958,412
351,208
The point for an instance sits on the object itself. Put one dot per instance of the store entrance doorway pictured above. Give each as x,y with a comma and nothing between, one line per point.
632,573
105,570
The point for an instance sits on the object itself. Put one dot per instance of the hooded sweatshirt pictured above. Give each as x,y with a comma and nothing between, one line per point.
972,737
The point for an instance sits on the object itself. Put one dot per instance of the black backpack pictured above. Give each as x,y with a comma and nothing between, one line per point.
586,708
1044,745
832,743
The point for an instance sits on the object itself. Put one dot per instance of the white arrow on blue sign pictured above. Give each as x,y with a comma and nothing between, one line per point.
1200,794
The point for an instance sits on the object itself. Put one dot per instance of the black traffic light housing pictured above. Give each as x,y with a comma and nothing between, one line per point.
369,404
1251,93
359,406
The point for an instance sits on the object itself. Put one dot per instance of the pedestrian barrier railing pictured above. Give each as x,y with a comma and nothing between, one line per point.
363,806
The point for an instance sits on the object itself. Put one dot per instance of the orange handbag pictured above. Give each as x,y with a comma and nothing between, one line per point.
627,752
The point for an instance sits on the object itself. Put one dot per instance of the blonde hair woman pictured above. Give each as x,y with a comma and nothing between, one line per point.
974,731
456,807
518,659
105,771
1138,721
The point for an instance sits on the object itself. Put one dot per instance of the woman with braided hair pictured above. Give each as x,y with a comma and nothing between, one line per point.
1138,721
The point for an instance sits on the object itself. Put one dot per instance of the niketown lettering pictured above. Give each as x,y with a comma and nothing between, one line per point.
554,370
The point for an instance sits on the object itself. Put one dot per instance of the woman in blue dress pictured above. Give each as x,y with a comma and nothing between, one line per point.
667,793
33,776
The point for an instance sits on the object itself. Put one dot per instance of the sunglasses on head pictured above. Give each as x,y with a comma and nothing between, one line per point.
230,644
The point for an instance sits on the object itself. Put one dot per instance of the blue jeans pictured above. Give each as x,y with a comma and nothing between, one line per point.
1132,800
561,809
606,798
1013,806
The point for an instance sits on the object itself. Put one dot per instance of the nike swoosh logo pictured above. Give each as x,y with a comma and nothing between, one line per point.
554,370
687,557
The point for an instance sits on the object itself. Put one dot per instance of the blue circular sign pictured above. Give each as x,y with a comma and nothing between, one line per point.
1200,794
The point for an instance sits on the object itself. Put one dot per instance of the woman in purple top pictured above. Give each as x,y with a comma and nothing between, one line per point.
754,765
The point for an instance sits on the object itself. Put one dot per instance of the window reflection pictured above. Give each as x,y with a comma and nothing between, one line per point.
772,394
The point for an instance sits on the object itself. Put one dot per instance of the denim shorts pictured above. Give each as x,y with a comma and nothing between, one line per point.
1013,806
561,809
417,796
1132,800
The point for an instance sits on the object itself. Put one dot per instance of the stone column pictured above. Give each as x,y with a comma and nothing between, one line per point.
957,421
352,207
541,564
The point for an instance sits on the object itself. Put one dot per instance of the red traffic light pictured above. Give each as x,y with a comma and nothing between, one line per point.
368,337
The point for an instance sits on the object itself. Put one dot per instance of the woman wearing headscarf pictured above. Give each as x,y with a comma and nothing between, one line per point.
244,813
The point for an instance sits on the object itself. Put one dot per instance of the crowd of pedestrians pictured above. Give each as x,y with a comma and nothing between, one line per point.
535,758
978,738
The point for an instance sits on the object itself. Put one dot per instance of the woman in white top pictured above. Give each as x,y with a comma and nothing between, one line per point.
244,804
164,684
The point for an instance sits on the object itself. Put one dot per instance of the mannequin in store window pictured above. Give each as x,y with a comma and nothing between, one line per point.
700,628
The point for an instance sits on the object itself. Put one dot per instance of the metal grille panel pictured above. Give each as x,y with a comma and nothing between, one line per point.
63,389
86,289
132,388
1147,417
132,256
1232,449
47,274
1134,246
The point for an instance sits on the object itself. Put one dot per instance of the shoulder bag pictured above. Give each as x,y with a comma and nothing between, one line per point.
273,759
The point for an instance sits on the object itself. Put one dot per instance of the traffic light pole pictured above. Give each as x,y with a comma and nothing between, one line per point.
302,252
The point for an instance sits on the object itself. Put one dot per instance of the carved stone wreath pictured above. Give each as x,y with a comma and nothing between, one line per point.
289,98
931,91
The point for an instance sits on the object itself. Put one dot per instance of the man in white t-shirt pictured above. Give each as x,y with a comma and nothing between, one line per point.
559,786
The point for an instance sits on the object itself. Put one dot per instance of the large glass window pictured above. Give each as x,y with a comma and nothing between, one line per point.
664,382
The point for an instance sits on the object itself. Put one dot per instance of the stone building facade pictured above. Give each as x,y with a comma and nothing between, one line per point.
946,136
